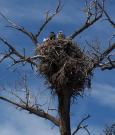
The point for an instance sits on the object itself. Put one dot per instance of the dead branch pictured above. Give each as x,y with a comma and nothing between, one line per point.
32,110
84,27
108,65
107,51
81,126
24,100
102,59
37,57
109,130
49,18
20,28
12,51
91,18
108,17
105,55
32,36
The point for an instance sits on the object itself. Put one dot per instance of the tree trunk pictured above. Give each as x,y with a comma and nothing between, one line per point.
64,114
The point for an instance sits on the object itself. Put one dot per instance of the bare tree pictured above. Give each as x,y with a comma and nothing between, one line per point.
109,130
65,90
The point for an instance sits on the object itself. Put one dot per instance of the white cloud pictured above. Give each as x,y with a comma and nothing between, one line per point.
36,12
104,94
8,130
21,123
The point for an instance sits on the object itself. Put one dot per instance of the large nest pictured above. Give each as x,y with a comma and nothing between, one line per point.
64,66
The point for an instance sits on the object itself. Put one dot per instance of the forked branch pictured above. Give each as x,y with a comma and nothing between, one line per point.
13,25
49,18
37,111
108,17
32,36
22,97
12,52
104,61
108,65
94,13
82,126
107,51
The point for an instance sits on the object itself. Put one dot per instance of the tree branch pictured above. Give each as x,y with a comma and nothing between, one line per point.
108,17
49,18
20,28
107,51
37,111
108,65
80,126
84,27
91,19
13,51
22,98
98,62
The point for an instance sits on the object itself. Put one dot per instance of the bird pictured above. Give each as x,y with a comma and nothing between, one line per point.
60,35
52,36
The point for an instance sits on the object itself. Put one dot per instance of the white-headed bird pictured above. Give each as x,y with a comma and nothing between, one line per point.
60,35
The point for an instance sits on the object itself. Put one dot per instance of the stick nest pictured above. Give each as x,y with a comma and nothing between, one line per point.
65,66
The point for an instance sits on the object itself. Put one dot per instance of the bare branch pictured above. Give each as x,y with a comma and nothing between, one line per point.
20,28
81,126
108,17
91,18
37,111
22,98
107,51
37,56
13,51
49,18
109,130
32,36
108,65
84,27
104,59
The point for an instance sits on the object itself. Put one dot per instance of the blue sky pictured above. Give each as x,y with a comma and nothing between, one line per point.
99,102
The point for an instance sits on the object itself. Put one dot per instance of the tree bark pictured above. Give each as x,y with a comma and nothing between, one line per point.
64,114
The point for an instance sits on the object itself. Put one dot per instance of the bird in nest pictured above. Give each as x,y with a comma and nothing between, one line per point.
60,35
52,36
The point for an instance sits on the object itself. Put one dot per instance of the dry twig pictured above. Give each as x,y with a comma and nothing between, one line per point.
81,126
49,18
91,18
